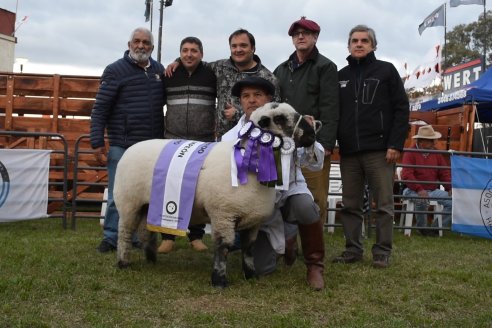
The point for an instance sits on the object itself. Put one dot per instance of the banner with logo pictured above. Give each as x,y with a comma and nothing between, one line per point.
24,175
472,196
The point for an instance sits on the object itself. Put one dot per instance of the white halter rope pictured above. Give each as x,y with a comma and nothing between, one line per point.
296,126
316,127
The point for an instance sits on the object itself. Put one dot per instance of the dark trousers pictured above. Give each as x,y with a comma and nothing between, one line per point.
196,232
356,169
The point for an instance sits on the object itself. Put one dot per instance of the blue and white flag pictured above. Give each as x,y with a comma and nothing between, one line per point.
472,196
24,177
456,3
436,18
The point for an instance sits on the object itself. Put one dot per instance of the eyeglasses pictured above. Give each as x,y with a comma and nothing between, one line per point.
297,34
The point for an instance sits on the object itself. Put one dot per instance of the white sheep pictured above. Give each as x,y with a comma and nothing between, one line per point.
227,208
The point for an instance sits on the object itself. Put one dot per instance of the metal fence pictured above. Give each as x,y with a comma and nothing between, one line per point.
61,199
97,182
399,184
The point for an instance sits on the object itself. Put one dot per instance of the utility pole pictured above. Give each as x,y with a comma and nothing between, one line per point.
163,4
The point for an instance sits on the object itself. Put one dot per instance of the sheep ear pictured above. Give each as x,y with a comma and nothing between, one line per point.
280,120
264,121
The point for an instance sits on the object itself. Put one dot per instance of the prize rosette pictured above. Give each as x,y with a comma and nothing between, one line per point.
288,146
277,143
266,139
245,129
260,154
255,133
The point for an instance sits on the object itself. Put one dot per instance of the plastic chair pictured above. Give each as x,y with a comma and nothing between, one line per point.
335,187
103,207
409,205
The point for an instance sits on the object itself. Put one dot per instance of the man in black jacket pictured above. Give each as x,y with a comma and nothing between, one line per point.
372,129
190,97
129,105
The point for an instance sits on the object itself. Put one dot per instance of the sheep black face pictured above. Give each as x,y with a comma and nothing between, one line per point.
283,120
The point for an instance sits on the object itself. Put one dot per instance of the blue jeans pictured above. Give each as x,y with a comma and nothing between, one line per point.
112,217
423,204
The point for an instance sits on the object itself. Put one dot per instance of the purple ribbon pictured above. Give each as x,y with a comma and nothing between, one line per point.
267,170
242,174
242,169
260,162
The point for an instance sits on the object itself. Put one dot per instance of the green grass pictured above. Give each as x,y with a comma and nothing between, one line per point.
50,277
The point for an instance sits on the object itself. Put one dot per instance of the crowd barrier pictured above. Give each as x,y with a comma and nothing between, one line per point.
89,182
75,183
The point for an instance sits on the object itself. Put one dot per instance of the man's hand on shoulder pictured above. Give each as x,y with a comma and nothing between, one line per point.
171,68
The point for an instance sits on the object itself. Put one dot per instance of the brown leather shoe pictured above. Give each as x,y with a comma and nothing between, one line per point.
290,250
198,245
315,277
166,246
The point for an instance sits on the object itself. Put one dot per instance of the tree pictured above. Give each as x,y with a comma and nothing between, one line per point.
467,42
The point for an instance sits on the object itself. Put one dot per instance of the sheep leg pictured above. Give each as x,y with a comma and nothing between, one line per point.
219,278
128,223
150,248
147,238
223,234
248,238
124,246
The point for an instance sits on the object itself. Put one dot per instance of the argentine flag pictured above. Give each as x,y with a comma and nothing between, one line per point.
472,196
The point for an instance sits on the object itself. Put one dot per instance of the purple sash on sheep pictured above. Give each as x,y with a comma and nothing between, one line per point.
174,184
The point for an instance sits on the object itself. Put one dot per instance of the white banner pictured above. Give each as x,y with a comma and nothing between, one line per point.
23,184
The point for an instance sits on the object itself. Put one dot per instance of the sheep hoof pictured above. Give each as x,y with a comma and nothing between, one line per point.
123,264
150,255
248,274
219,281
248,271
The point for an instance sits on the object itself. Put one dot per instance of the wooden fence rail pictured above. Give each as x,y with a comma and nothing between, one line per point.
50,103
62,104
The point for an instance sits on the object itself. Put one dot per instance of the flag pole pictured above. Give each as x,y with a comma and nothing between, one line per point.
161,10
151,14
484,64
163,4
15,20
445,44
